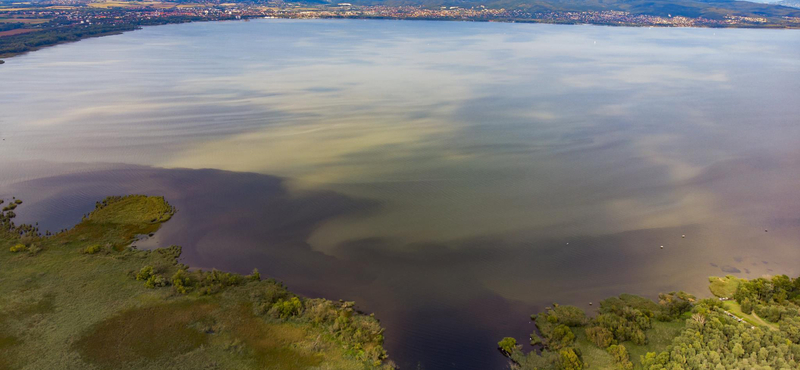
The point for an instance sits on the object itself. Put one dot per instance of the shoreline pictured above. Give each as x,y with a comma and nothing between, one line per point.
524,21
215,310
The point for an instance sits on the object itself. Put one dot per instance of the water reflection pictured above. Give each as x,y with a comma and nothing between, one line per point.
451,177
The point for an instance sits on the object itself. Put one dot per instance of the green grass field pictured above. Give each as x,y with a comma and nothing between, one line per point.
64,305
723,287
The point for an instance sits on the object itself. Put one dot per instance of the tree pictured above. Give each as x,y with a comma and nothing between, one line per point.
535,339
570,359
747,306
600,336
674,304
561,337
737,350
145,273
621,357
507,345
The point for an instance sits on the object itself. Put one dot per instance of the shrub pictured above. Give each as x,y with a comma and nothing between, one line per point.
674,304
507,345
561,337
285,308
747,306
92,249
568,315
155,281
145,273
264,298
225,279
181,281
570,359
34,249
535,339
320,311
600,336
621,357
18,248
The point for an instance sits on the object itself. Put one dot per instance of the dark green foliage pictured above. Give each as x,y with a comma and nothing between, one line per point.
215,281
792,329
620,319
568,315
535,339
712,340
11,26
747,306
626,318
54,32
775,312
263,299
673,305
561,337
555,322
781,290
25,232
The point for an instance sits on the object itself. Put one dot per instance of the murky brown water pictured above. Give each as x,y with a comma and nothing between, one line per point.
450,177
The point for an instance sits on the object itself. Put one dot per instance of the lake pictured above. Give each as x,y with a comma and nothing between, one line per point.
451,177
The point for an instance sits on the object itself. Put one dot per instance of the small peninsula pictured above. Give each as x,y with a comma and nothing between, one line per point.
83,298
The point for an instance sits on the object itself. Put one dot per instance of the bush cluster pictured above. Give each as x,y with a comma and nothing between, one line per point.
92,249
18,248
619,319
362,335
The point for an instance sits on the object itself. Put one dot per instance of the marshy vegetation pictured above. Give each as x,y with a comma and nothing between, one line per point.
84,299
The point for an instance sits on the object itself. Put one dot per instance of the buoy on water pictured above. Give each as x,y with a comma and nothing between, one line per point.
683,236
662,247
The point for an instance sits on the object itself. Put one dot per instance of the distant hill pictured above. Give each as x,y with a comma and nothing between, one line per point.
790,3
713,9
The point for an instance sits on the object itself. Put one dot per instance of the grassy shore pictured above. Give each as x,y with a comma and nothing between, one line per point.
84,299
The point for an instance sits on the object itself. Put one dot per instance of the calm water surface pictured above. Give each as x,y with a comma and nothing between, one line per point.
450,177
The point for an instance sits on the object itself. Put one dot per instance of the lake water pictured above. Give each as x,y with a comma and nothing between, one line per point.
451,177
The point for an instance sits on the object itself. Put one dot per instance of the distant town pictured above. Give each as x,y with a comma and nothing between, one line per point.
29,26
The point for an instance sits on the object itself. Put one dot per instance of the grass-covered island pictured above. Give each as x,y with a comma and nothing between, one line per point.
751,324
84,299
